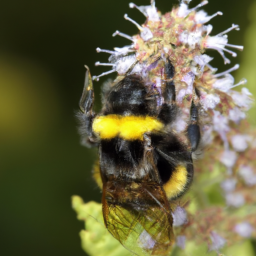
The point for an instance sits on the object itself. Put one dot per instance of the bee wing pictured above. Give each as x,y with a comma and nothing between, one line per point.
141,220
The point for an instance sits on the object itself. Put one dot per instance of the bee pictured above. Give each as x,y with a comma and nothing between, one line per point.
144,165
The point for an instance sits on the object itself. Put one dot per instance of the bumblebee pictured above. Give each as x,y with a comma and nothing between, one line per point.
143,164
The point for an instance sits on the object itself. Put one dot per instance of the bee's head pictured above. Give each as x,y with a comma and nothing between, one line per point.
131,97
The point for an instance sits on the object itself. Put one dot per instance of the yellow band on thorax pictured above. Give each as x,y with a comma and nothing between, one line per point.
126,127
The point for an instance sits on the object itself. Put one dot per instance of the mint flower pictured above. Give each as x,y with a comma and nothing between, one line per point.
219,209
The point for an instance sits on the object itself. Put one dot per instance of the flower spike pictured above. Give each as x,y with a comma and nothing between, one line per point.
169,56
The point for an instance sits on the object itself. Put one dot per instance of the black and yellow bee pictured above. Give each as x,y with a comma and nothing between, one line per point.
143,164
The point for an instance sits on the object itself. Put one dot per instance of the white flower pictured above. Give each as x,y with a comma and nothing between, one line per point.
236,115
149,11
224,84
242,99
220,42
182,93
244,229
234,199
146,241
189,80
229,185
217,242
228,158
124,63
202,17
209,101
216,42
152,13
158,82
202,60
208,29
239,142
220,124
249,177
191,38
207,135
146,34
184,10
179,125
181,240
123,50
179,217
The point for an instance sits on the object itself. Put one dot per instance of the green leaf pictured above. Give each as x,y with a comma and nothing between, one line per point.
96,240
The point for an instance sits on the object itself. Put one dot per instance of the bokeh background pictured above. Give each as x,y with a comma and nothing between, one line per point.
43,48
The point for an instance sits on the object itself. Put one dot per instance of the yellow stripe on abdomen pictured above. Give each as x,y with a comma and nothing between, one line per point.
126,127
177,183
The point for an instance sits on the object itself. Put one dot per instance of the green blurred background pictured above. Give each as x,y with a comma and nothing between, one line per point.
43,48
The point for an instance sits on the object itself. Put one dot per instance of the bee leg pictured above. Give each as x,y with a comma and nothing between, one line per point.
168,110
170,93
193,130
87,114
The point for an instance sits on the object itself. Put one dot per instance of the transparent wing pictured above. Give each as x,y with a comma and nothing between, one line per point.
141,218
